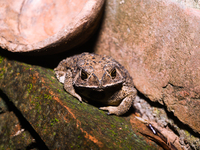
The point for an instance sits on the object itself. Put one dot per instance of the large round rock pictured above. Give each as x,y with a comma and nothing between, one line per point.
38,26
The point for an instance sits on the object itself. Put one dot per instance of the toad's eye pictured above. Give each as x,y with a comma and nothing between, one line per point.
113,73
84,75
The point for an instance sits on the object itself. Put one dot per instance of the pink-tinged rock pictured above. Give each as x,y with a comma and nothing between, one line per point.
39,26
159,43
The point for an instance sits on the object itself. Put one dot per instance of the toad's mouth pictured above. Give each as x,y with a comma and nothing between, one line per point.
90,94
97,94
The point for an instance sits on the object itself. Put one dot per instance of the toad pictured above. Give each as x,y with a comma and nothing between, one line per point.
96,78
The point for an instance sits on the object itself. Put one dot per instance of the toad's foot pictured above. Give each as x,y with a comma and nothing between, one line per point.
111,110
122,108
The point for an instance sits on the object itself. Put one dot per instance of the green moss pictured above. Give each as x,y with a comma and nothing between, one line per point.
47,96
30,86
113,133
113,126
2,147
53,121
2,72
38,97
79,137
59,90
56,120
38,107
37,104
1,59
1,76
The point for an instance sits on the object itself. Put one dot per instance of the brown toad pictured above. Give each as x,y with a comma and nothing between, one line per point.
97,78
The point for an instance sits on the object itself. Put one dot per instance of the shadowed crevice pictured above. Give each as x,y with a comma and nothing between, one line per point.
24,124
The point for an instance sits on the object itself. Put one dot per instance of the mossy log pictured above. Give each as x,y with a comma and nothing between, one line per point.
57,120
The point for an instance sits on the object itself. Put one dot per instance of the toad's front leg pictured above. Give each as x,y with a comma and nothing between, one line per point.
68,85
123,107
